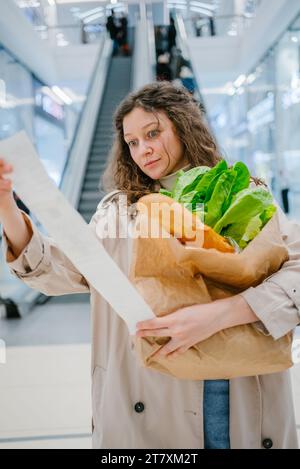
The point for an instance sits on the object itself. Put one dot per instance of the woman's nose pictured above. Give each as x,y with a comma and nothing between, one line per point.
146,148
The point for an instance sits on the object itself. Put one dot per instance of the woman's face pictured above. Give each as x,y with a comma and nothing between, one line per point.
153,143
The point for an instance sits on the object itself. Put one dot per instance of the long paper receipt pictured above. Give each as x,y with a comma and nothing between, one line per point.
70,232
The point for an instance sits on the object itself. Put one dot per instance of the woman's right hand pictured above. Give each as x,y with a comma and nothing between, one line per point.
16,230
6,192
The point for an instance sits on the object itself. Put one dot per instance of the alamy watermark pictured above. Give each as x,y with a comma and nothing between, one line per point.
2,352
2,91
152,220
296,351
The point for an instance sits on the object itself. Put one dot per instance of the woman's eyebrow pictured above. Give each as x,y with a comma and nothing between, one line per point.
145,126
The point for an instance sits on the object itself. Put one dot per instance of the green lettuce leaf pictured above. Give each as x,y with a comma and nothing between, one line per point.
187,181
268,214
165,192
214,209
242,182
206,185
221,197
188,198
251,231
200,214
256,224
246,205
243,177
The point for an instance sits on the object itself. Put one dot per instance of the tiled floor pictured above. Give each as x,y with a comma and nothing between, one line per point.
45,399
296,393
65,443
59,321
45,384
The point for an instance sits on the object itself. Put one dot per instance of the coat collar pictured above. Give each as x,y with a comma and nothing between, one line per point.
168,182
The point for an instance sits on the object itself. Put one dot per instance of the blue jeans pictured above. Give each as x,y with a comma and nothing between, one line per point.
216,414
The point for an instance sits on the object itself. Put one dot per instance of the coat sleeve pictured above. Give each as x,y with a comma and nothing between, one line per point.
276,301
44,267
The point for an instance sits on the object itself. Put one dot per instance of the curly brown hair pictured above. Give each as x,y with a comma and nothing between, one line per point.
188,121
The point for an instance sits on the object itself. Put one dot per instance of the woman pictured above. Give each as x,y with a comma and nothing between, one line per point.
160,130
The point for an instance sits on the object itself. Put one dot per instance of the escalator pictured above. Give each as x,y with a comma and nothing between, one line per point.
118,85
114,78
116,88
124,74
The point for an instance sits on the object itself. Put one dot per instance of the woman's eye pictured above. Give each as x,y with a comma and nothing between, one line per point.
153,133
131,143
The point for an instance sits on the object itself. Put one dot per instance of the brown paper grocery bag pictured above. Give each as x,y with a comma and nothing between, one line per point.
170,276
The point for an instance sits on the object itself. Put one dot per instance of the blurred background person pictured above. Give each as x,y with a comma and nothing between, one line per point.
212,26
187,79
161,40
171,35
163,70
112,29
21,204
284,190
122,35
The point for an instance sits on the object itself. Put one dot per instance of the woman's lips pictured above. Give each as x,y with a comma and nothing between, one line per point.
151,163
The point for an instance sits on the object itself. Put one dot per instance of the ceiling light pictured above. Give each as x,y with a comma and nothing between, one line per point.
28,4
180,2
93,17
239,81
47,91
2,89
63,2
251,78
62,95
62,43
230,89
85,14
177,5
201,10
206,6
76,98
295,82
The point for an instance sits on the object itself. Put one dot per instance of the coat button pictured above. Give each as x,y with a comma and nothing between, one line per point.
139,407
267,443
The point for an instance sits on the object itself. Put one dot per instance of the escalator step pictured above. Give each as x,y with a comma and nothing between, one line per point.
93,173
103,135
88,207
92,178
95,167
93,187
92,196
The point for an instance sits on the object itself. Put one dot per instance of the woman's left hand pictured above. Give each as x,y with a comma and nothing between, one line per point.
185,327
188,326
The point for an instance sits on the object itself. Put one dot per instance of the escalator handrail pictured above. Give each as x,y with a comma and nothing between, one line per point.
79,149
144,54
182,42
79,121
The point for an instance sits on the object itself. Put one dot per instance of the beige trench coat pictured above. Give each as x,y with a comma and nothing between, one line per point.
131,405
